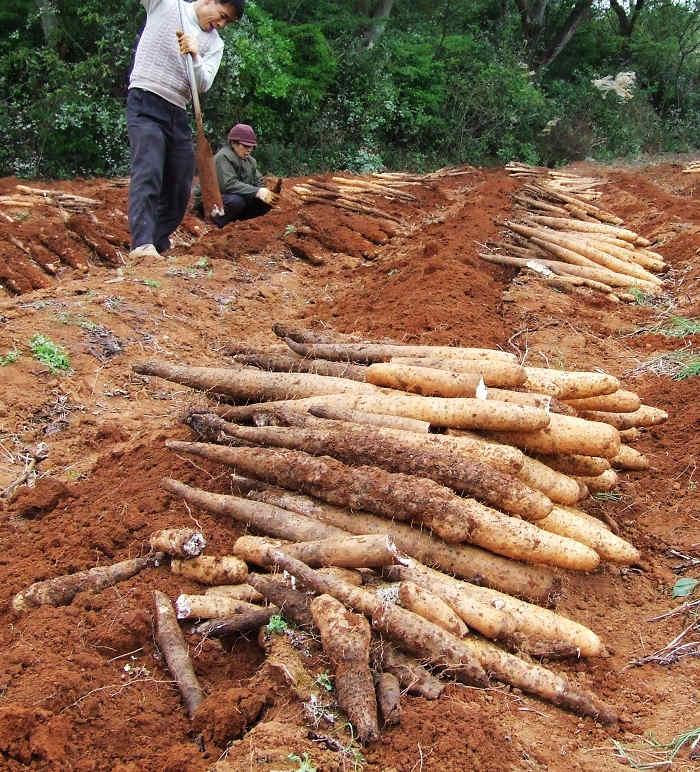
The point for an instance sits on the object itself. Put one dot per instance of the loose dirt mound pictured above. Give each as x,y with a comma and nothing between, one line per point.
84,687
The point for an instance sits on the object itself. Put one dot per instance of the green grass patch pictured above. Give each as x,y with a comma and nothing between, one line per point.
49,353
640,297
10,358
277,624
681,327
656,755
690,370
151,283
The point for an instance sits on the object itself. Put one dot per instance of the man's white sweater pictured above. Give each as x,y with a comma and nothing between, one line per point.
159,66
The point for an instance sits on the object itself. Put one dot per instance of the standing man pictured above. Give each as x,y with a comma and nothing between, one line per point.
162,156
243,190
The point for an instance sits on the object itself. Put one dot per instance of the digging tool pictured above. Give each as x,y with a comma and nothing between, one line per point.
208,181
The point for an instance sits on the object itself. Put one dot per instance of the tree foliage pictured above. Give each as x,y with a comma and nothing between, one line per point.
368,83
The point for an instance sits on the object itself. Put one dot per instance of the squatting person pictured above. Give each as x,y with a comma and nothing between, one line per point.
162,155
243,190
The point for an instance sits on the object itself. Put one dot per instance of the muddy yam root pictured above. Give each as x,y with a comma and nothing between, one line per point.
345,637
408,454
567,435
172,644
178,542
388,698
411,675
497,615
61,590
478,566
251,384
569,385
468,659
210,606
399,496
242,622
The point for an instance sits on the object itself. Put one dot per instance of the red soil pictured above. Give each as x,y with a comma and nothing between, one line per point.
84,687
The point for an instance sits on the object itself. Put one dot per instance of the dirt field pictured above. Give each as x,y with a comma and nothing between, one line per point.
83,687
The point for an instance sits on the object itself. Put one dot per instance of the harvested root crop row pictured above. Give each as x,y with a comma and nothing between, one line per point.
586,242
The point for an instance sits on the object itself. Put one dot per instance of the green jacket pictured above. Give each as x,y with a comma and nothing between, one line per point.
237,175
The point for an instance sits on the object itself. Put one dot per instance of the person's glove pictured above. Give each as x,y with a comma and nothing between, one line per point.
267,196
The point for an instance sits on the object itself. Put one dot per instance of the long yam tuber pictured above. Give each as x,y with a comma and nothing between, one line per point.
569,384
433,644
431,607
353,444
478,566
61,590
588,530
172,645
620,401
388,698
566,434
398,496
242,622
209,569
629,458
644,417
516,616
209,606
341,551
411,675
345,638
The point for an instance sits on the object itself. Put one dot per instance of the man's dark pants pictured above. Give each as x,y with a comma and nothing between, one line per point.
162,167
237,207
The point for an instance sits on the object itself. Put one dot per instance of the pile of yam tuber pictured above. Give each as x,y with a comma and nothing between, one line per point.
415,505
355,193
568,241
411,507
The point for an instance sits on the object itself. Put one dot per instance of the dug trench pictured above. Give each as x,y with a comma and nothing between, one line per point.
84,686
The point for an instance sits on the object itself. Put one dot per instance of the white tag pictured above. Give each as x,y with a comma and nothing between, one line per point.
539,268
481,391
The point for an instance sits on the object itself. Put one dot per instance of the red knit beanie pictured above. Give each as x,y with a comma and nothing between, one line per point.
244,134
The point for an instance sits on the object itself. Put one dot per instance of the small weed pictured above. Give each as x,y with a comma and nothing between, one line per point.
203,264
655,755
277,624
150,283
684,587
640,297
681,327
289,229
10,358
65,318
324,681
691,370
304,762
607,496
49,353
680,364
